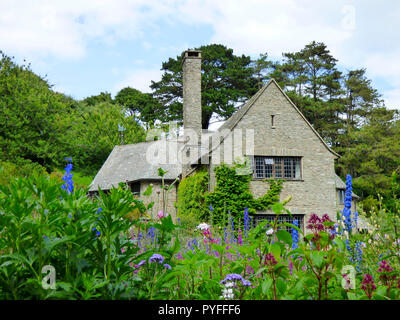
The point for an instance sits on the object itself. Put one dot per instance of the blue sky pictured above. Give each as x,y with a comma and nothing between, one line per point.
86,47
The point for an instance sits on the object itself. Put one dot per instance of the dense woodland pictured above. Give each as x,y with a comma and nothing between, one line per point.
40,127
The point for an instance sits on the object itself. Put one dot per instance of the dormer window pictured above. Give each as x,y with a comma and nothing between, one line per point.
135,188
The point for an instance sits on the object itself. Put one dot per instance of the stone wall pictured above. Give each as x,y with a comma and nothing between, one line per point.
156,196
315,192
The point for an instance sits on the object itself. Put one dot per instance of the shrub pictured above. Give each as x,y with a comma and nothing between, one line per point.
192,192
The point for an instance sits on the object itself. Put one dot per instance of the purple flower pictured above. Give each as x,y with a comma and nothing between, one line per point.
140,264
156,258
167,266
234,277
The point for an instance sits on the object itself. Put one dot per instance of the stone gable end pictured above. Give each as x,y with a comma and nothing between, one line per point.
288,135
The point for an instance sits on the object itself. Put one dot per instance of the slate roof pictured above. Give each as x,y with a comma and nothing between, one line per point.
130,163
341,185
235,118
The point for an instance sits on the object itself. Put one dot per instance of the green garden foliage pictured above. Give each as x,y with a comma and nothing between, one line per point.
96,253
192,192
232,194
20,168
83,239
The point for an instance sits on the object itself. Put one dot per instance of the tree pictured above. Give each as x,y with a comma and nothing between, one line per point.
313,83
147,108
31,115
93,133
102,97
360,98
226,80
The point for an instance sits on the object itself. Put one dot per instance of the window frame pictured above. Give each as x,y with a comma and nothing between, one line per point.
257,218
135,185
277,169
341,199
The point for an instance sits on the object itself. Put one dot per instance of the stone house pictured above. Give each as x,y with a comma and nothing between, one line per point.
268,129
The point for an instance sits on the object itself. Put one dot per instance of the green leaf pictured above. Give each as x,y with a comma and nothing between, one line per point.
275,250
317,258
285,237
281,285
340,244
266,285
352,296
277,208
292,226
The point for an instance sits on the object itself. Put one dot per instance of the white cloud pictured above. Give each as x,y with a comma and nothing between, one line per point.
392,98
63,28
359,33
139,79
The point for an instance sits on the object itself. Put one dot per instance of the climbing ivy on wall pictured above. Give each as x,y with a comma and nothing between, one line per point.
232,194
192,192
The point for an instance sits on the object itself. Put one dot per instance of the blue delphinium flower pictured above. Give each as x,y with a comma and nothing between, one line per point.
295,234
246,222
69,184
232,231
347,205
358,254
98,233
158,258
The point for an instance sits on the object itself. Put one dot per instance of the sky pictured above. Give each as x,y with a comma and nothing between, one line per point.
90,46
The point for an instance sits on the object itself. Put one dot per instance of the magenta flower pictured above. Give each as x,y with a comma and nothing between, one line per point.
270,260
368,285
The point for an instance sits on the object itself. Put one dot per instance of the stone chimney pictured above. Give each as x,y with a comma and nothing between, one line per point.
191,72
191,69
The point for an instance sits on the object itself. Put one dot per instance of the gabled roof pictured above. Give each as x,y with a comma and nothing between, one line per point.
239,114
128,163
341,185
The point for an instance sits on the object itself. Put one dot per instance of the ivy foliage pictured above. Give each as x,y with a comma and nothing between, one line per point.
192,192
231,195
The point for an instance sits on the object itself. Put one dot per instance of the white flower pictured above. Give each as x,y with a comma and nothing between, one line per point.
227,294
229,284
203,226
269,232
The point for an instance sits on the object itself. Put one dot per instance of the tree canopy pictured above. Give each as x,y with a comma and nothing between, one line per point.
39,127
227,79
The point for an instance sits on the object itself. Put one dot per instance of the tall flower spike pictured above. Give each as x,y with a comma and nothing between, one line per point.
347,204
295,234
246,222
69,184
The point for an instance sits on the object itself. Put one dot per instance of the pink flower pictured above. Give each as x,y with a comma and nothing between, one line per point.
162,214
